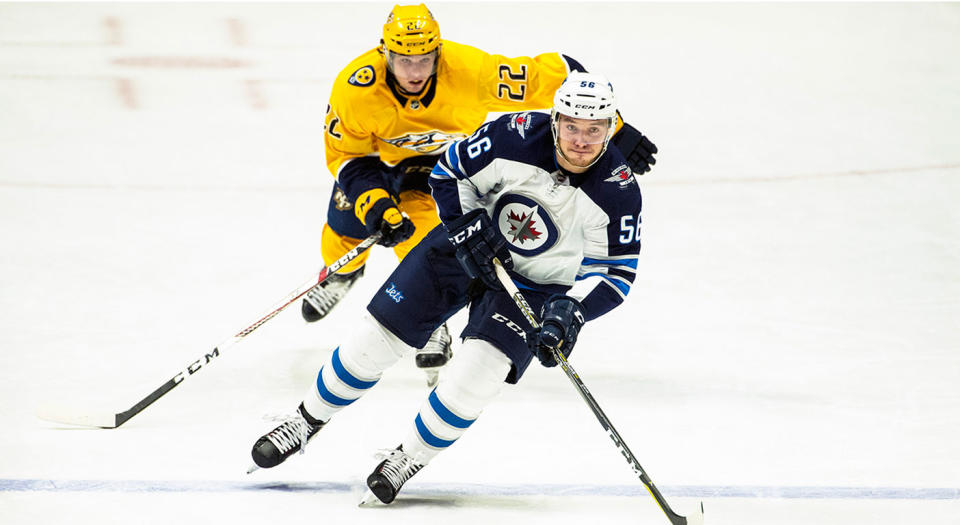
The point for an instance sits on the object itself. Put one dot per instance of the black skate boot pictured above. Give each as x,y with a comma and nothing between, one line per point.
282,442
435,354
324,296
385,481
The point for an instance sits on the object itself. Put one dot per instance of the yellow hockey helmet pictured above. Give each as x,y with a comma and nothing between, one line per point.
411,30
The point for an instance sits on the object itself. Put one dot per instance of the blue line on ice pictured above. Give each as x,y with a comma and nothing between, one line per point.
423,489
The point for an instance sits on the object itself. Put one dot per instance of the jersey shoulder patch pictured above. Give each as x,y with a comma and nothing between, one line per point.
363,77
614,187
520,122
621,175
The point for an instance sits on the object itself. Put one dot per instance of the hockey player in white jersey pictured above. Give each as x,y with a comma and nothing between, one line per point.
545,196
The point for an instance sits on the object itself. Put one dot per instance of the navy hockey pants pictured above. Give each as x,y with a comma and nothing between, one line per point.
429,286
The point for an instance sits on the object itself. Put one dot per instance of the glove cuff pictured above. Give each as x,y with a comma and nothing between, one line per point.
559,306
461,228
369,200
464,219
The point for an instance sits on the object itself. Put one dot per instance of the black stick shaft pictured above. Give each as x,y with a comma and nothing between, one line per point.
518,298
122,417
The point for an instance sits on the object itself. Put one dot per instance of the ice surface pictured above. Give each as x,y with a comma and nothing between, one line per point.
789,353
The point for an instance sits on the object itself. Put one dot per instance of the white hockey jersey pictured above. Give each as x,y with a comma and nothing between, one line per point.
577,234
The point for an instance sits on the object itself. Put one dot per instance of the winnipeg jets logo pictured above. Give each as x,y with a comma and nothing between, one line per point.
621,174
525,224
522,227
394,294
428,142
521,121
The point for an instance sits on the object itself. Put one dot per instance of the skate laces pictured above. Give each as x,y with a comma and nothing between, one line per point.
293,432
326,295
439,342
398,467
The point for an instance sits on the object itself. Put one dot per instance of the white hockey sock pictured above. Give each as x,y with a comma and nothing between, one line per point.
353,368
469,382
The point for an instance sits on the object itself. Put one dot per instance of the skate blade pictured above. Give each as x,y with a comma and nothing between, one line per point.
433,377
369,499
697,517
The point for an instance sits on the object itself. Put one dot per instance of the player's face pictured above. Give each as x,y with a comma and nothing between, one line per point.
412,71
580,141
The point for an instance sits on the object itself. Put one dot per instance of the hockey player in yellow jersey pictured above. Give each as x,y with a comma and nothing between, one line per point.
393,110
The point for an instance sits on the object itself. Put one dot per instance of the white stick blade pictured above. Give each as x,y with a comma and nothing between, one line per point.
71,416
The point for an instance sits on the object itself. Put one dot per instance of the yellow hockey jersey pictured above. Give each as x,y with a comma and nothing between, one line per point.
367,116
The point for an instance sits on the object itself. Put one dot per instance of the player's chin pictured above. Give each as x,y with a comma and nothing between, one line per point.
583,159
414,88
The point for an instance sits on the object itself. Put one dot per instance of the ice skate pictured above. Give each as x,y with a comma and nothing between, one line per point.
435,354
282,442
385,480
323,297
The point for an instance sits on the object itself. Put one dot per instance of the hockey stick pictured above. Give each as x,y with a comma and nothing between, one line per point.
675,519
61,414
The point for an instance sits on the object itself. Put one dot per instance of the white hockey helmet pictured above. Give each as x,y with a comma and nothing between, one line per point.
585,96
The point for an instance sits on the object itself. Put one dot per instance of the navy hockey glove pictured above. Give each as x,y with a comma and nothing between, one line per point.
637,149
378,213
478,243
561,320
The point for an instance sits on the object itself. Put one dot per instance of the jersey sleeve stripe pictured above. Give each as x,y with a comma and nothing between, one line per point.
620,285
441,171
453,162
628,275
632,262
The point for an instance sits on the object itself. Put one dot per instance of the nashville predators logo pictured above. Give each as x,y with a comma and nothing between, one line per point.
341,201
363,77
431,142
